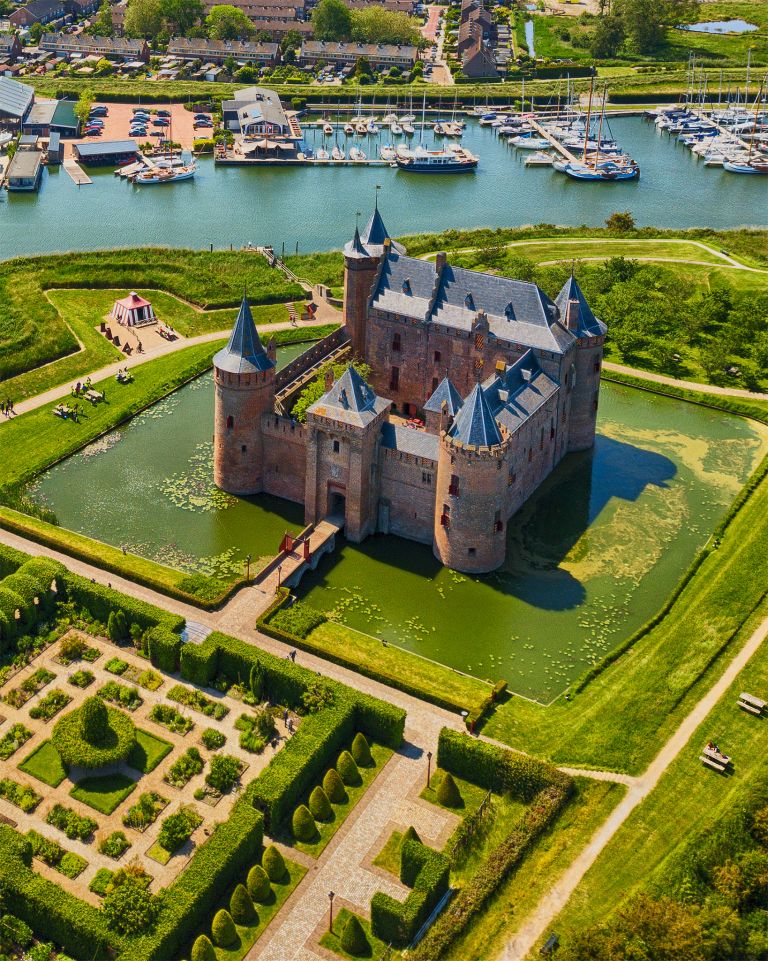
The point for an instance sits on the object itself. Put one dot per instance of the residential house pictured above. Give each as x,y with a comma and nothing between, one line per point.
380,56
217,51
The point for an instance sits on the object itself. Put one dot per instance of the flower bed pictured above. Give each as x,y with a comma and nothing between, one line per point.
71,823
82,678
18,696
12,740
198,702
115,845
53,702
21,795
184,768
145,811
169,717
122,695
49,852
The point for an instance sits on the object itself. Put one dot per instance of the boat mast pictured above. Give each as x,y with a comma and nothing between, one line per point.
589,115
600,126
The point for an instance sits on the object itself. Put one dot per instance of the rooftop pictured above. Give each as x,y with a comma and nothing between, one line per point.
350,400
475,425
15,97
106,148
244,353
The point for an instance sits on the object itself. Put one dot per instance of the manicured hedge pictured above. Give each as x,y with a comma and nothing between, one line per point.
99,601
164,648
199,663
10,560
26,588
427,873
494,767
10,602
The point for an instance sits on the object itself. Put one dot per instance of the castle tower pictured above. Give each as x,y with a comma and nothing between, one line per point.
577,316
470,528
362,256
244,388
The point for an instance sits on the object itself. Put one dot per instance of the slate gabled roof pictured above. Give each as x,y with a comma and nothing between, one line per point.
355,247
446,393
589,325
244,354
475,424
519,392
15,97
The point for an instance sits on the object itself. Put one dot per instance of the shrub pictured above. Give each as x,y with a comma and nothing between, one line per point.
334,787
71,648
129,907
410,835
224,772
241,906
71,823
256,682
185,767
169,717
299,620
223,929
203,950
348,769
303,824
274,865
258,885
94,735
448,793
361,752
115,845
319,805
198,702
164,647
117,627
353,939
213,739
145,811
177,829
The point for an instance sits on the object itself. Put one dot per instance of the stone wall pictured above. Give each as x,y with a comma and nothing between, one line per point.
407,503
285,457
239,402
359,276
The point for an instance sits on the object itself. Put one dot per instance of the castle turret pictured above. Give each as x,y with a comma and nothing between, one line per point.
469,532
244,385
577,316
362,256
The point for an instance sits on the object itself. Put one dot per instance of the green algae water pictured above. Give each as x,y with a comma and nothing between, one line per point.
590,557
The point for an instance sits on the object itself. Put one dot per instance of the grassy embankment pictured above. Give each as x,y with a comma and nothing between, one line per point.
689,799
33,331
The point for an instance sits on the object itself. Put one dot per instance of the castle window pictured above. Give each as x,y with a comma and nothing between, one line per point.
335,447
394,378
469,301
453,487
230,422
509,312
472,551
426,478
243,449
435,382
498,523
541,439
597,366
479,341
406,286
530,455
396,342
437,356
479,363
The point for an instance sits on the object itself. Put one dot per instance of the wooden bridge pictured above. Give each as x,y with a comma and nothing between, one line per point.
297,555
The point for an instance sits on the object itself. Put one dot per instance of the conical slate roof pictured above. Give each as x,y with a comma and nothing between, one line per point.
375,232
355,247
350,392
370,243
244,354
446,393
475,425
589,325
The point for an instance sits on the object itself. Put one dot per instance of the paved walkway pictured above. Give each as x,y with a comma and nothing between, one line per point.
556,898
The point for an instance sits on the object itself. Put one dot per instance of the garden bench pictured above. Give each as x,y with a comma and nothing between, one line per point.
751,703
711,762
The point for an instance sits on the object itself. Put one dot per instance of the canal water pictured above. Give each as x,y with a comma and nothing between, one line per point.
315,207
590,557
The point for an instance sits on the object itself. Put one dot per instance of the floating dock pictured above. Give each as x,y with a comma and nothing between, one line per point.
76,172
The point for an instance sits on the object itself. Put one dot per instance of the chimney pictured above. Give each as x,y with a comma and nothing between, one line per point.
572,312
328,379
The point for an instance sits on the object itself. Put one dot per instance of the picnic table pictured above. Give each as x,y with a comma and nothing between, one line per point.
715,758
751,704
94,396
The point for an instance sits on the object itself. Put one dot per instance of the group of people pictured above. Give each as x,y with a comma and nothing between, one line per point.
7,407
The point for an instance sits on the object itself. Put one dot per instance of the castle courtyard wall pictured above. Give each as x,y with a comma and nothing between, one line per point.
407,488
285,457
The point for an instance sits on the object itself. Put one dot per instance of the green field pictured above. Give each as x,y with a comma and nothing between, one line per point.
148,752
45,764
104,794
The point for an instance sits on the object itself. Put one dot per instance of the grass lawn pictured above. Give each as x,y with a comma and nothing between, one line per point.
45,764
148,752
714,46
332,939
622,717
688,799
103,794
471,795
159,854
548,859
249,934
389,856
393,665
327,829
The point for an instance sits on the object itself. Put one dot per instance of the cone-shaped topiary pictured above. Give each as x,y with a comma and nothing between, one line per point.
410,835
258,884
334,787
223,929
353,939
203,950
273,863
93,719
240,906
348,769
303,824
361,752
319,805
447,792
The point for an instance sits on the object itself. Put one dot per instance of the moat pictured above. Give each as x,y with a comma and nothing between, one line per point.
590,557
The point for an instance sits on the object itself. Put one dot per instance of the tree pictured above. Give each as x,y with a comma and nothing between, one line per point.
291,41
643,21
93,719
143,18
334,787
607,37
35,32
257,884
102,25
223,929
361,752
448,792
223,772
175,831
621,221
348,769
256,682
203,949
713,358
273,864
241,906
363,67
353,939
374,24
181,15
303,824
332,20
128,906
319,805
226,22
82,111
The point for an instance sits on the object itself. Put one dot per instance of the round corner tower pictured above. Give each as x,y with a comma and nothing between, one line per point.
470,496
244,389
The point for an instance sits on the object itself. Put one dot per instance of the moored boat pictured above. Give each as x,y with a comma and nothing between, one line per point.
449,161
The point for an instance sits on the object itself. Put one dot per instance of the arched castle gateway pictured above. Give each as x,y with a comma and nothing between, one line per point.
505,380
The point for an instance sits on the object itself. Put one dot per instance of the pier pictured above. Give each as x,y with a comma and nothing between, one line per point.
724,131
76,172
553,141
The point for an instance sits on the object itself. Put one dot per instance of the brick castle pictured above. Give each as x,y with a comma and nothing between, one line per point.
480,385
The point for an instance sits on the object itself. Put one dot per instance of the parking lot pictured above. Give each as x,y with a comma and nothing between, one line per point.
118,122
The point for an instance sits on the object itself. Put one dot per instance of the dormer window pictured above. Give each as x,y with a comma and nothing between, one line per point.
343,397
407,287
469,301
509,312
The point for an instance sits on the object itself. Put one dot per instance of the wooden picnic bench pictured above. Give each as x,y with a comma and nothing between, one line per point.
751,704
712,762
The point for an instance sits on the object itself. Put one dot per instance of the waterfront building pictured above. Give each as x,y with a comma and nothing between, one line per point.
81,45
380,56
217,51
479,386
16,100
133,311
52,116
25,169
106,152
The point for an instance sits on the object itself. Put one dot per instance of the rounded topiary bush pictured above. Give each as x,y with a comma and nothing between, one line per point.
258,884
447,791
94,735
334,787
303,824
348,769
353,939
319,805
241,906
273,863
203,950
223,929
361,752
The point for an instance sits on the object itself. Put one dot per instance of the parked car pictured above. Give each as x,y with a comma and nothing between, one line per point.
163,113
160,122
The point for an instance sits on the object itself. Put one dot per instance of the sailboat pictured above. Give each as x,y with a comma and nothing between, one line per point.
166,171
396,129
337,153
591,166
387,152
749,165
356,154
327,128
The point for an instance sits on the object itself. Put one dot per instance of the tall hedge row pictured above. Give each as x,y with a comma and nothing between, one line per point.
100,601
427,873
494,767
78,927
10,560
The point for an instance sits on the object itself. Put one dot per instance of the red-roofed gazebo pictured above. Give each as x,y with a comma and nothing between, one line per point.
133,311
